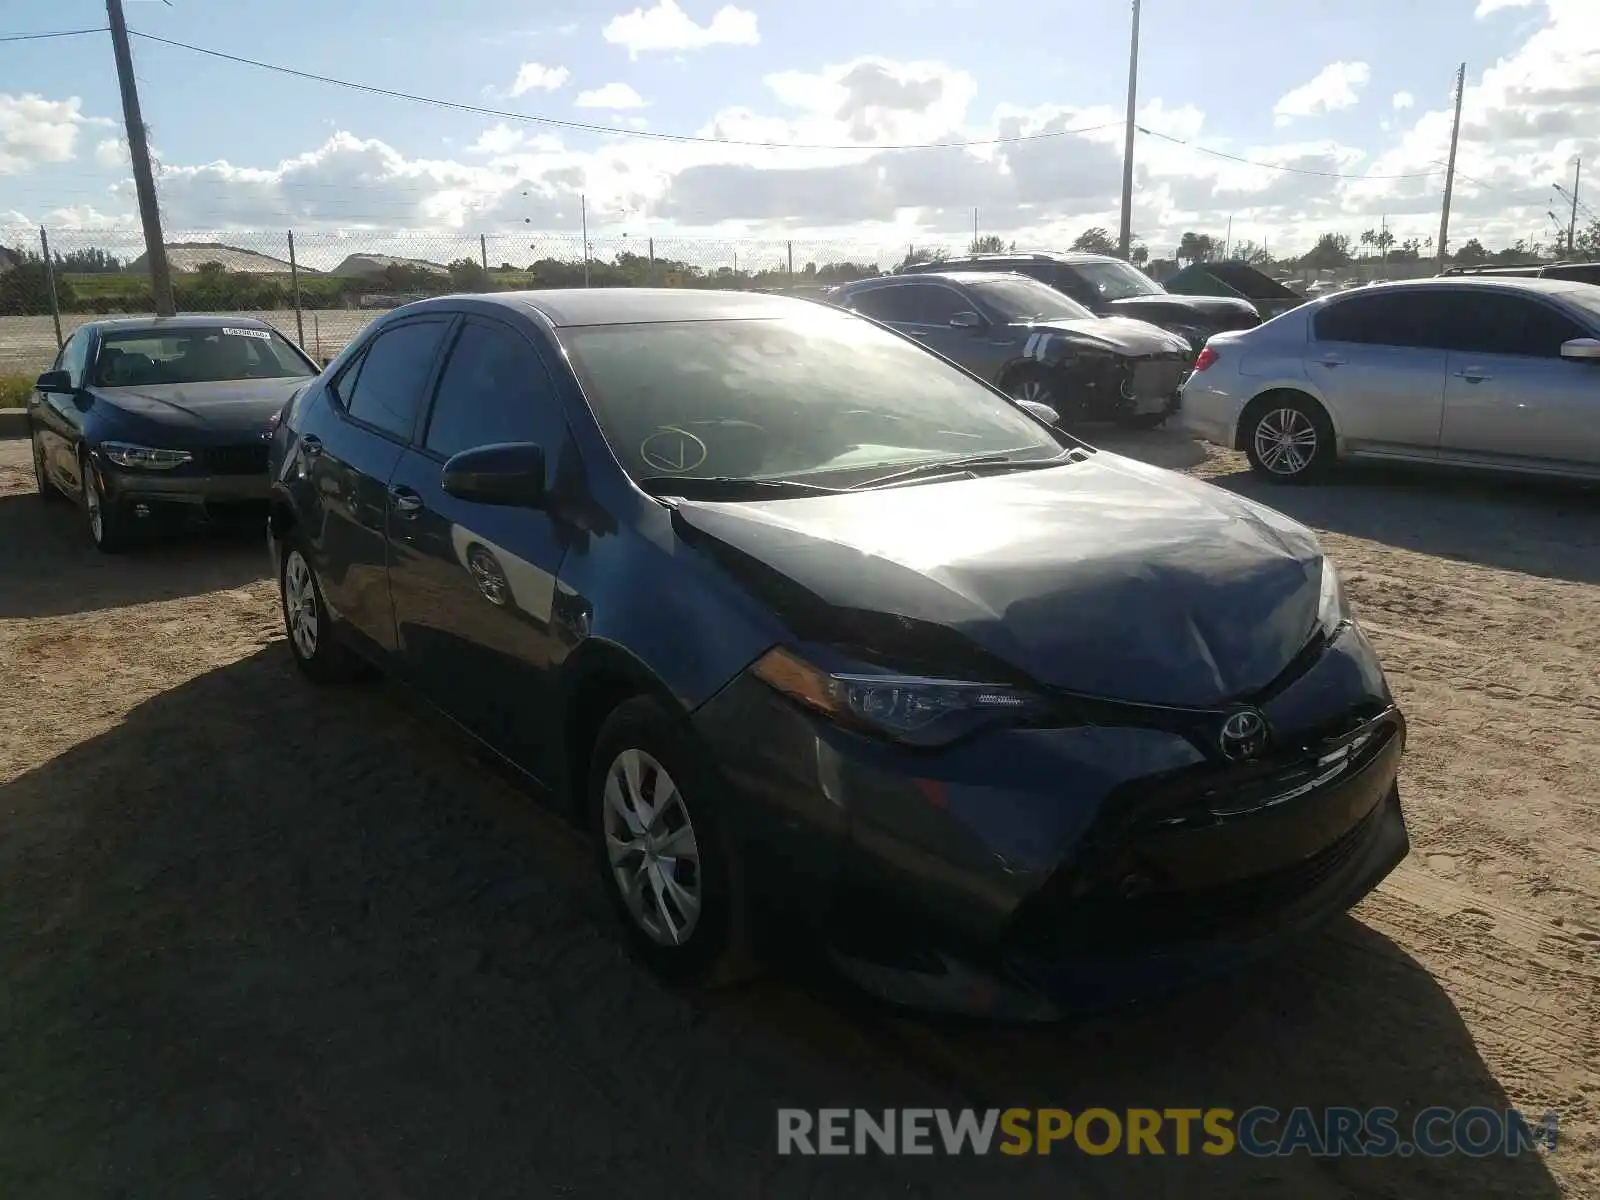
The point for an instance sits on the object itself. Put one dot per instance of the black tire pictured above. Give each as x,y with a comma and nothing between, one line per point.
322,658
48,491
1038,385
1272,418
107,520
711,947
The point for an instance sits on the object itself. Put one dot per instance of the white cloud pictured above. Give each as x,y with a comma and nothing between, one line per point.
1488,7
1336,86
533,76
612,95
667,27
502,139
1404,100
111,152
34,131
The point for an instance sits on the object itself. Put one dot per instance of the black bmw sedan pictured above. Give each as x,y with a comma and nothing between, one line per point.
809,626
141,419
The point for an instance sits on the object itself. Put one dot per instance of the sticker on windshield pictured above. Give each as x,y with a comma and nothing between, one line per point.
255,333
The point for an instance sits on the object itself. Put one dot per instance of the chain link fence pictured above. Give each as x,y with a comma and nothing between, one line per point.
322,287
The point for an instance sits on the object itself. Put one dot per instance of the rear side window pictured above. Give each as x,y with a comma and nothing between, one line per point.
1502,323
908,305
1406,319
493,389
384,389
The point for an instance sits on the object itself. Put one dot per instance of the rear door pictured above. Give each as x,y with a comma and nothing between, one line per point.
923,311
1509,395
353,444
1377,358
474,584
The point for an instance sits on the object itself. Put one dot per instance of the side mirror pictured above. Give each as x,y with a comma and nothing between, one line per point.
1043,411
510,474
1583,349
967,320
55,381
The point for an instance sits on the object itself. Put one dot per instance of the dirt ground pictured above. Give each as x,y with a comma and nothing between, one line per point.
258,939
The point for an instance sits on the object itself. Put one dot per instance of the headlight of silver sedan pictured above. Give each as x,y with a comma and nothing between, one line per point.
144,458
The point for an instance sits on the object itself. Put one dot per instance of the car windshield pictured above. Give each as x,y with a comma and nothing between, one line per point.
196,354
826,396
1117,280
1023,299
1586,300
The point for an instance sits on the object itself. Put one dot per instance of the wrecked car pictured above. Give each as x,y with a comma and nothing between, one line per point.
1034,343
814,631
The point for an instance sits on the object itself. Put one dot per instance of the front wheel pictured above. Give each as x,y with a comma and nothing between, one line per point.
665,864
1036,387
1288,439
107,520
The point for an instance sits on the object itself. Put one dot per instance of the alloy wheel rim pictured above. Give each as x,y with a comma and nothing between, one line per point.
1034,392
1286,441
300,604
93,504
651,845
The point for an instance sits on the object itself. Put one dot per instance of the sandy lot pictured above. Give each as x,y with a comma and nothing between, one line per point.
259,939
28,344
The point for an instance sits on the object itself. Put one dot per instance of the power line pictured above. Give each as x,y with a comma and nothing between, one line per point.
1250,162
59,33
611,130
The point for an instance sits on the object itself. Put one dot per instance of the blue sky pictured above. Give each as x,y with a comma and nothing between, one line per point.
1224,74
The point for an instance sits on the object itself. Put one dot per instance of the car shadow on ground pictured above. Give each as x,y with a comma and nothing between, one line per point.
1158,447
264,939
50,568
1534,527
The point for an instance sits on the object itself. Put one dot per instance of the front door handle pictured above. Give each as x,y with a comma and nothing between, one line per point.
311,444
1331,360
407,503
1473,375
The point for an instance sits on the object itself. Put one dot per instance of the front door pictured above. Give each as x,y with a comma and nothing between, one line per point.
352,445
474,584
1509,395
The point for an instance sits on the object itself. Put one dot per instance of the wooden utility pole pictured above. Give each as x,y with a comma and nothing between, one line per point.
1572,223
144,182
1450,169
1125,241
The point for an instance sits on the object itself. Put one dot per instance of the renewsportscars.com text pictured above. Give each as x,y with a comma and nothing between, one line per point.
1258,1132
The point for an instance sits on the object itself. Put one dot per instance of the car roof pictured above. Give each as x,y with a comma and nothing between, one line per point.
1519,283
568,307
924,276
181,321
1055,256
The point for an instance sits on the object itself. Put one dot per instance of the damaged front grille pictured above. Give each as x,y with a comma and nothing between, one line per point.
1154,379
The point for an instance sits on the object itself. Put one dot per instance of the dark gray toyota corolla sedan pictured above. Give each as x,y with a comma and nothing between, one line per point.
812,626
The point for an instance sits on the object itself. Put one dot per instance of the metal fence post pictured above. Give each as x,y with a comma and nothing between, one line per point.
50,276
789,246
294,284
483,256
652,262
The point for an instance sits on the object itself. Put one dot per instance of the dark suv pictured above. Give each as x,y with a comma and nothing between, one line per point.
1109,287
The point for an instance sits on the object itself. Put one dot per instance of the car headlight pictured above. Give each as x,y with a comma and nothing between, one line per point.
146,458
915,709
1333,610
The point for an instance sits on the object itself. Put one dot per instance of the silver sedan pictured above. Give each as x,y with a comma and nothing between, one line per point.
1500,374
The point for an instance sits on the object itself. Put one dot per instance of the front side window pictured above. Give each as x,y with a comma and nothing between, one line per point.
493,389
1489,322
817,397
384,388
74,356
218,353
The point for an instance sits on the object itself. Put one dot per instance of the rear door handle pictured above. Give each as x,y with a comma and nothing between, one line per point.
1473,375
407,503
311,444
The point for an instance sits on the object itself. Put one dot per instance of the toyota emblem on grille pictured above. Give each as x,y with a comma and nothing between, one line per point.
1244,734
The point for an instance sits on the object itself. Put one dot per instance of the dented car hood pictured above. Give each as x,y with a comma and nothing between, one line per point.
1104,577
1117,335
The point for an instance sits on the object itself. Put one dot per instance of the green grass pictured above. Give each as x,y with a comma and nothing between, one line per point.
14,391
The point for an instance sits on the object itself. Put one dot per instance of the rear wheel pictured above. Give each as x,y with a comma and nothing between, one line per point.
305,619
1288,438
48,491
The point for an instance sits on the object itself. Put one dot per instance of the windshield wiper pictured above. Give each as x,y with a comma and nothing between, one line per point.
715,487
973,462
